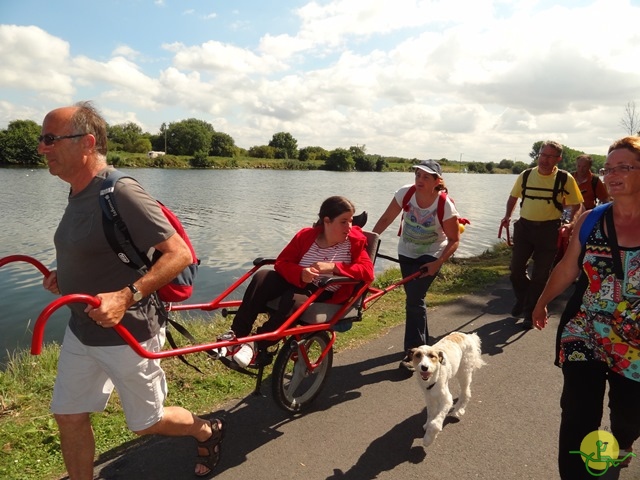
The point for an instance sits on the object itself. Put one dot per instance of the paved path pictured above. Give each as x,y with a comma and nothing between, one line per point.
367,422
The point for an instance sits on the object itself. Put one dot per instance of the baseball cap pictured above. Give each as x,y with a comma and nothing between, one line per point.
429,166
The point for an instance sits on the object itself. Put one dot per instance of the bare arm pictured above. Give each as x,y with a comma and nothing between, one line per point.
511,205
387,218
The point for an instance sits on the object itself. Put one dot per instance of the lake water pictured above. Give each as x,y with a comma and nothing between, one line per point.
232,217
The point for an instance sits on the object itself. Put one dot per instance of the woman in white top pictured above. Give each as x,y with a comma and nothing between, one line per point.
425,242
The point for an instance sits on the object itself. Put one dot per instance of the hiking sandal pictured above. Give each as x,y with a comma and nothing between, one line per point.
212,446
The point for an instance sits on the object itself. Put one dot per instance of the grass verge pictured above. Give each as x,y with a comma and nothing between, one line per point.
30,447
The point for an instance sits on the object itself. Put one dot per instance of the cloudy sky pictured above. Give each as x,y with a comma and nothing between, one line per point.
477,80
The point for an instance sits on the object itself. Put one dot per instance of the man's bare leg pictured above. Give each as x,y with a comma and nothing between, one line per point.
77,444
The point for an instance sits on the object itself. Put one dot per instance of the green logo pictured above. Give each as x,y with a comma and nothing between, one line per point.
600,450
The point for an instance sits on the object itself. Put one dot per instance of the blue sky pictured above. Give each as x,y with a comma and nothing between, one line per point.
479,80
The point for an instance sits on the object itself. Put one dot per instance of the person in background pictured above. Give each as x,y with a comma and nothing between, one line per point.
591,187
94,358
598,341
333,246
424,243
535,233
592,190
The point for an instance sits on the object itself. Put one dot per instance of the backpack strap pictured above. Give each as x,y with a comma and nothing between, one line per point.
115,230
594,186
405,205
442,199
185,333
613,243
590,221
407,198
525,177
558,187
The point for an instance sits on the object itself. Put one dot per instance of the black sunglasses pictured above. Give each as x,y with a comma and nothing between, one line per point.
49,139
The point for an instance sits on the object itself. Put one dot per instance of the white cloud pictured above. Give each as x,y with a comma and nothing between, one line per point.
126,52
410,78
220,58
33,60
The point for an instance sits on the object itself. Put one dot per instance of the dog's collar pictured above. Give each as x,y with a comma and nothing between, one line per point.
431,386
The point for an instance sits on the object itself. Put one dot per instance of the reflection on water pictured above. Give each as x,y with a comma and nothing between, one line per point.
232,217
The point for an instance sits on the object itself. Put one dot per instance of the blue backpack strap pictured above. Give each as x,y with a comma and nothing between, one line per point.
115,230
591,220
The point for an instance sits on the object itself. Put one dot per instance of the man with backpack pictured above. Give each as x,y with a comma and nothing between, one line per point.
94,358
543,192
591,187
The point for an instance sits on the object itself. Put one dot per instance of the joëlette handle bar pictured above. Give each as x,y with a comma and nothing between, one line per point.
24,258
283,331
375,293
219,302
38,329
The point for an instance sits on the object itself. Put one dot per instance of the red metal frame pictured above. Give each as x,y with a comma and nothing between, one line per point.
509,242
288,328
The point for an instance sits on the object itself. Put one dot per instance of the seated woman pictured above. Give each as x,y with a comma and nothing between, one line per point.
333,246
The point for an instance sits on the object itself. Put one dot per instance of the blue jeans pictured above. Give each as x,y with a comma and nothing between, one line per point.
416,332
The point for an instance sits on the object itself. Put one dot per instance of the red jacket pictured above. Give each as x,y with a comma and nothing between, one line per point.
360,268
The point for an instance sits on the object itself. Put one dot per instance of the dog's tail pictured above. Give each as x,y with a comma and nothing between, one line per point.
475,345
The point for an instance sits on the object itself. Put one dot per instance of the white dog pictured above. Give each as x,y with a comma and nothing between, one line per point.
455,356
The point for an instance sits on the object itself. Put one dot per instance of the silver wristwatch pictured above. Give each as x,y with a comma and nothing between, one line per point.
137,295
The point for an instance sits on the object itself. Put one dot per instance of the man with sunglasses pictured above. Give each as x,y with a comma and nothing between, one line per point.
535,233
94,358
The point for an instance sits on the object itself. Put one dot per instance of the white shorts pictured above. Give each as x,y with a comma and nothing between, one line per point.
87,376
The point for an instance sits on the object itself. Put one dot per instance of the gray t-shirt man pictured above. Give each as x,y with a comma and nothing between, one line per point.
87,264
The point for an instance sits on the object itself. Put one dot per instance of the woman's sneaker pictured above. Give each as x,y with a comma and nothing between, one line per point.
244,355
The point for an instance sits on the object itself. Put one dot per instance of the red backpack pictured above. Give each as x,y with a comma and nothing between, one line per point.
119,238
442,199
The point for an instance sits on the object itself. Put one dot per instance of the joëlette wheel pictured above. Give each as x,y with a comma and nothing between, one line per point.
294,385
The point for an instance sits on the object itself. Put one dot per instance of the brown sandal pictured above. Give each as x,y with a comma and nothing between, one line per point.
212,446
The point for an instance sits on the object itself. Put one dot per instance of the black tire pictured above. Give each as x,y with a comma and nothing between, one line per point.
294,387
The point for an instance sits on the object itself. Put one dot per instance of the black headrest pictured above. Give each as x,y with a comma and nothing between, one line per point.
360,220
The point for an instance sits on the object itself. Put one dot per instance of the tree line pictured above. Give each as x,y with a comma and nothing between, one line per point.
193,138
199,141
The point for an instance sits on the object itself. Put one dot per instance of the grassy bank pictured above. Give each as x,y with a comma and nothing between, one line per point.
139,160
28,433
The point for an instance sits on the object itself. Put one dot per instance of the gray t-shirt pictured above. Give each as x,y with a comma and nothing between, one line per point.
87,264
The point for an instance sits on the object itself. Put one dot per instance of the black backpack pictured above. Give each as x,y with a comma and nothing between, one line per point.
558,187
